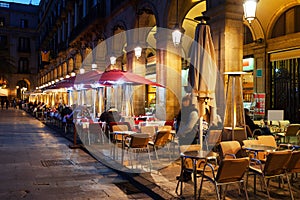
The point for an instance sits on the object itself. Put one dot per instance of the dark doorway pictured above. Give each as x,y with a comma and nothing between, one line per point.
285,85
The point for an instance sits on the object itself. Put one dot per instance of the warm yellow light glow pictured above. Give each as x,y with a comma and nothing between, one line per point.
138,51
250,9
176,37
113,60
81,70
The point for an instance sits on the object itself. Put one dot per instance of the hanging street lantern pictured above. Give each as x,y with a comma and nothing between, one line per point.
250,9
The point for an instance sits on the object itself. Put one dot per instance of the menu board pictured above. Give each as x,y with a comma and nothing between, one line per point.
259,100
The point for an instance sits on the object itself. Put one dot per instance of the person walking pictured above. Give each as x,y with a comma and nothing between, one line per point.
14,103
2,103
7,103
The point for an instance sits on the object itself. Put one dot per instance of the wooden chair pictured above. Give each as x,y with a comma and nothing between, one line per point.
230,171
274,166
161,139
138,143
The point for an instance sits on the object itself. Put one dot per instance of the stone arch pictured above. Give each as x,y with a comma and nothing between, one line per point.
276,16
70,62
256,29
78,61
64,70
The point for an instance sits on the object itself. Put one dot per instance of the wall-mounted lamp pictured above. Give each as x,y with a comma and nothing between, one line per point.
94,66
250,9
113,60
138,51
81,70
73,74
176,34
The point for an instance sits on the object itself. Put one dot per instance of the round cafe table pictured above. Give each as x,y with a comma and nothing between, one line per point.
259,148
194,156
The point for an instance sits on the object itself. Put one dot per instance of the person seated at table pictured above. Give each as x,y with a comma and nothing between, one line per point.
111,115
253,126
187,127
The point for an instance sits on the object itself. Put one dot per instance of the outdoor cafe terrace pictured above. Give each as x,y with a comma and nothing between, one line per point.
150,150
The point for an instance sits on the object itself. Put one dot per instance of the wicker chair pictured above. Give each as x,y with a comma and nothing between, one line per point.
229,149
161,139
138,143
230,171
293,166
274,166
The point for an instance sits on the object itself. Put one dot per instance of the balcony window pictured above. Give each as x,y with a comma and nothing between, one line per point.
24,44
23,66
24,23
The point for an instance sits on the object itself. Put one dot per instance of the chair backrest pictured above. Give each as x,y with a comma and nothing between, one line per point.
162,137
284,124
214,137
273,123
232,170
150,130
170,123
130,120
292,130
120,128
229,147
111,124
187,148
165,127
268,140
250,142
139,140
95,128
293,165
276,162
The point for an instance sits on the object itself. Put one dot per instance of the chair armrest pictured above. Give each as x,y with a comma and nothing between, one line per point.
230,154
256,162
211,167
212,158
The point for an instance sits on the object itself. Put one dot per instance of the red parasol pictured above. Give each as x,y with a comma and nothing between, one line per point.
116,77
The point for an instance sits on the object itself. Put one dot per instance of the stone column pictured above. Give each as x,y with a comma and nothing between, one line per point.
226,22
168,73
227,33
138,66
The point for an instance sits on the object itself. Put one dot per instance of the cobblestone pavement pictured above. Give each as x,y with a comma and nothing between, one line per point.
36,163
